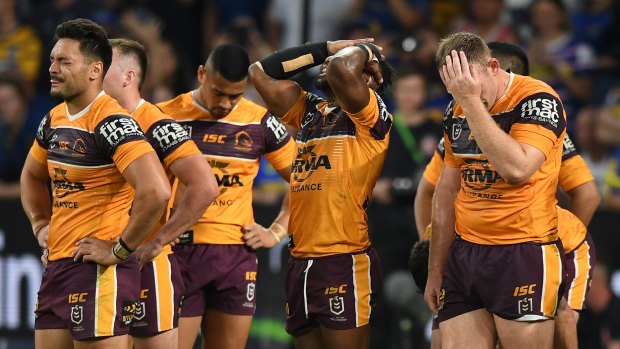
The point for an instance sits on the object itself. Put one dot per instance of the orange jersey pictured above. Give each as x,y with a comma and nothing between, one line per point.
233,145
85,155
487,209
571,229
339,157
169,140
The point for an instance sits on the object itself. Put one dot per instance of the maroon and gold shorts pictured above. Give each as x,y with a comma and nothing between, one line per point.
161,295
88,299
522,282
336,292
579,268
218,277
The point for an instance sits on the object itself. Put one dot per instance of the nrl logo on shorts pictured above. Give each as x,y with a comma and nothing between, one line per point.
336,305
140,311
456,131
77,314
250,292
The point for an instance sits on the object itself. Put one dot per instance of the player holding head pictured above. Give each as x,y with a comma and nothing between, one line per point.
156,320
334,274
94,153
503,140
219,270
574,178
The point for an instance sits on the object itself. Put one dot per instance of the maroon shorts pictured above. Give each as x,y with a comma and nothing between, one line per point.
522,282
160,297
336,292
579,268
88,299
218,277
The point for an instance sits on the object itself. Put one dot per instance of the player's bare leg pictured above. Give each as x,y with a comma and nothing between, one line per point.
565,336
310,340
188,331
517,334
115,342
164,340
55,338
355,338
435,339
225,331
474,329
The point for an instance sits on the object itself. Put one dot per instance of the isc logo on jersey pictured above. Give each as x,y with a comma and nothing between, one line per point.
119,128
544,110
169,135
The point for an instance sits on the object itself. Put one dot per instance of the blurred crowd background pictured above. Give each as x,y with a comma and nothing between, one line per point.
572,45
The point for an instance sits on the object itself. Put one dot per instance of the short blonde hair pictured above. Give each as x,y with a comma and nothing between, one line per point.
476,50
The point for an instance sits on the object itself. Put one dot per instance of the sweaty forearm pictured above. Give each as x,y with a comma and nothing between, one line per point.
194,202
422,207
503,152
35,201
148,207
443,221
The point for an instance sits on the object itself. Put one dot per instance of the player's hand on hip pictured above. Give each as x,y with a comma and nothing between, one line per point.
460,78
42,236
432,291
45,257
257,236
335,46
145,253
91,249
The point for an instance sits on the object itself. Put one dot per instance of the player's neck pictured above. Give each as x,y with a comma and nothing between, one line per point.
129,100
83,100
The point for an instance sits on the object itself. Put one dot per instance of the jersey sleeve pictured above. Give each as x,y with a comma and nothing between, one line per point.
374,120
279,146
573,173
41,141
433,169
294,116
122,139
448,156
166,136
540,123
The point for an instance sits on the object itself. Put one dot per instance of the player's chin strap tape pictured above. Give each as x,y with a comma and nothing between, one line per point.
121,250
286,63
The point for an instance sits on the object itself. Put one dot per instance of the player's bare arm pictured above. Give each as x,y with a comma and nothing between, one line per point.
201,189
35,198
443,220
585,198
515,162
257,236
270,75
422,206
152,195
344,74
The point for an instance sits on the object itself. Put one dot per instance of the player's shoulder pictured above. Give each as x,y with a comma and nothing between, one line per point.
148,113
247,111
105,106
178,106
525,86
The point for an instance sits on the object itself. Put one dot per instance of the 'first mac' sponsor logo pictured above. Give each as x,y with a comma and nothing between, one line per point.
277,128
544,110
169,135
116,129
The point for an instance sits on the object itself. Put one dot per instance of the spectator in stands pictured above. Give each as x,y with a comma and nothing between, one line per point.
20,47
557,58
17,130
484,18
599,323
595,153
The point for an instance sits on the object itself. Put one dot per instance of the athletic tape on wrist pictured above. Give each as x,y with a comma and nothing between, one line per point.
120,250
371,51
286,63
278,231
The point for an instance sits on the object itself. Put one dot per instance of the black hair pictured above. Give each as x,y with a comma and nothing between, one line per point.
388,73
510,55
92,37
418,263
231,61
